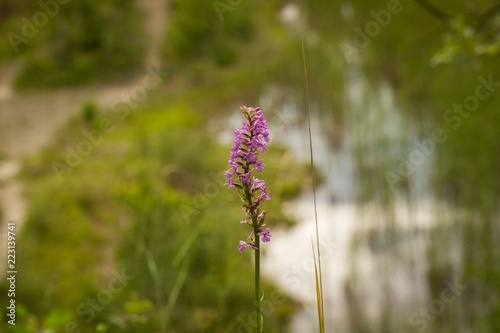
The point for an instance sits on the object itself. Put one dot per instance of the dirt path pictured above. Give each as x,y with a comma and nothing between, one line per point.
29,121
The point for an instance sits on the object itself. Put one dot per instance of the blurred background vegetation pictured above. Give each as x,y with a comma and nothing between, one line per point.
134,203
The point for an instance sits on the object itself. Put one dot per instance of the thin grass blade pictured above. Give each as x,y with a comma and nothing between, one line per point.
319,296
317,264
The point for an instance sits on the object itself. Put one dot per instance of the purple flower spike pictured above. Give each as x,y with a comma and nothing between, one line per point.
249,140
252,137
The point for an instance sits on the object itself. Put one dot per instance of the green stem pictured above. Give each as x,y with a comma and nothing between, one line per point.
257,276
255,225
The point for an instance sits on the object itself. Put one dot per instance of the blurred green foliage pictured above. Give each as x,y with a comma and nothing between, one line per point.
90,111
219,38
84,42
160,206
10,20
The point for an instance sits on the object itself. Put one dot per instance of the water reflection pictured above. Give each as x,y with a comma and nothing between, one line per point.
373,241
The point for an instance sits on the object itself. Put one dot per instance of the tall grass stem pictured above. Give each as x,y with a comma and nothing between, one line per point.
319,277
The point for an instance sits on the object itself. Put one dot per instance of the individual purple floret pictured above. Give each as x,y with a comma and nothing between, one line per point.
266,236
243,246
